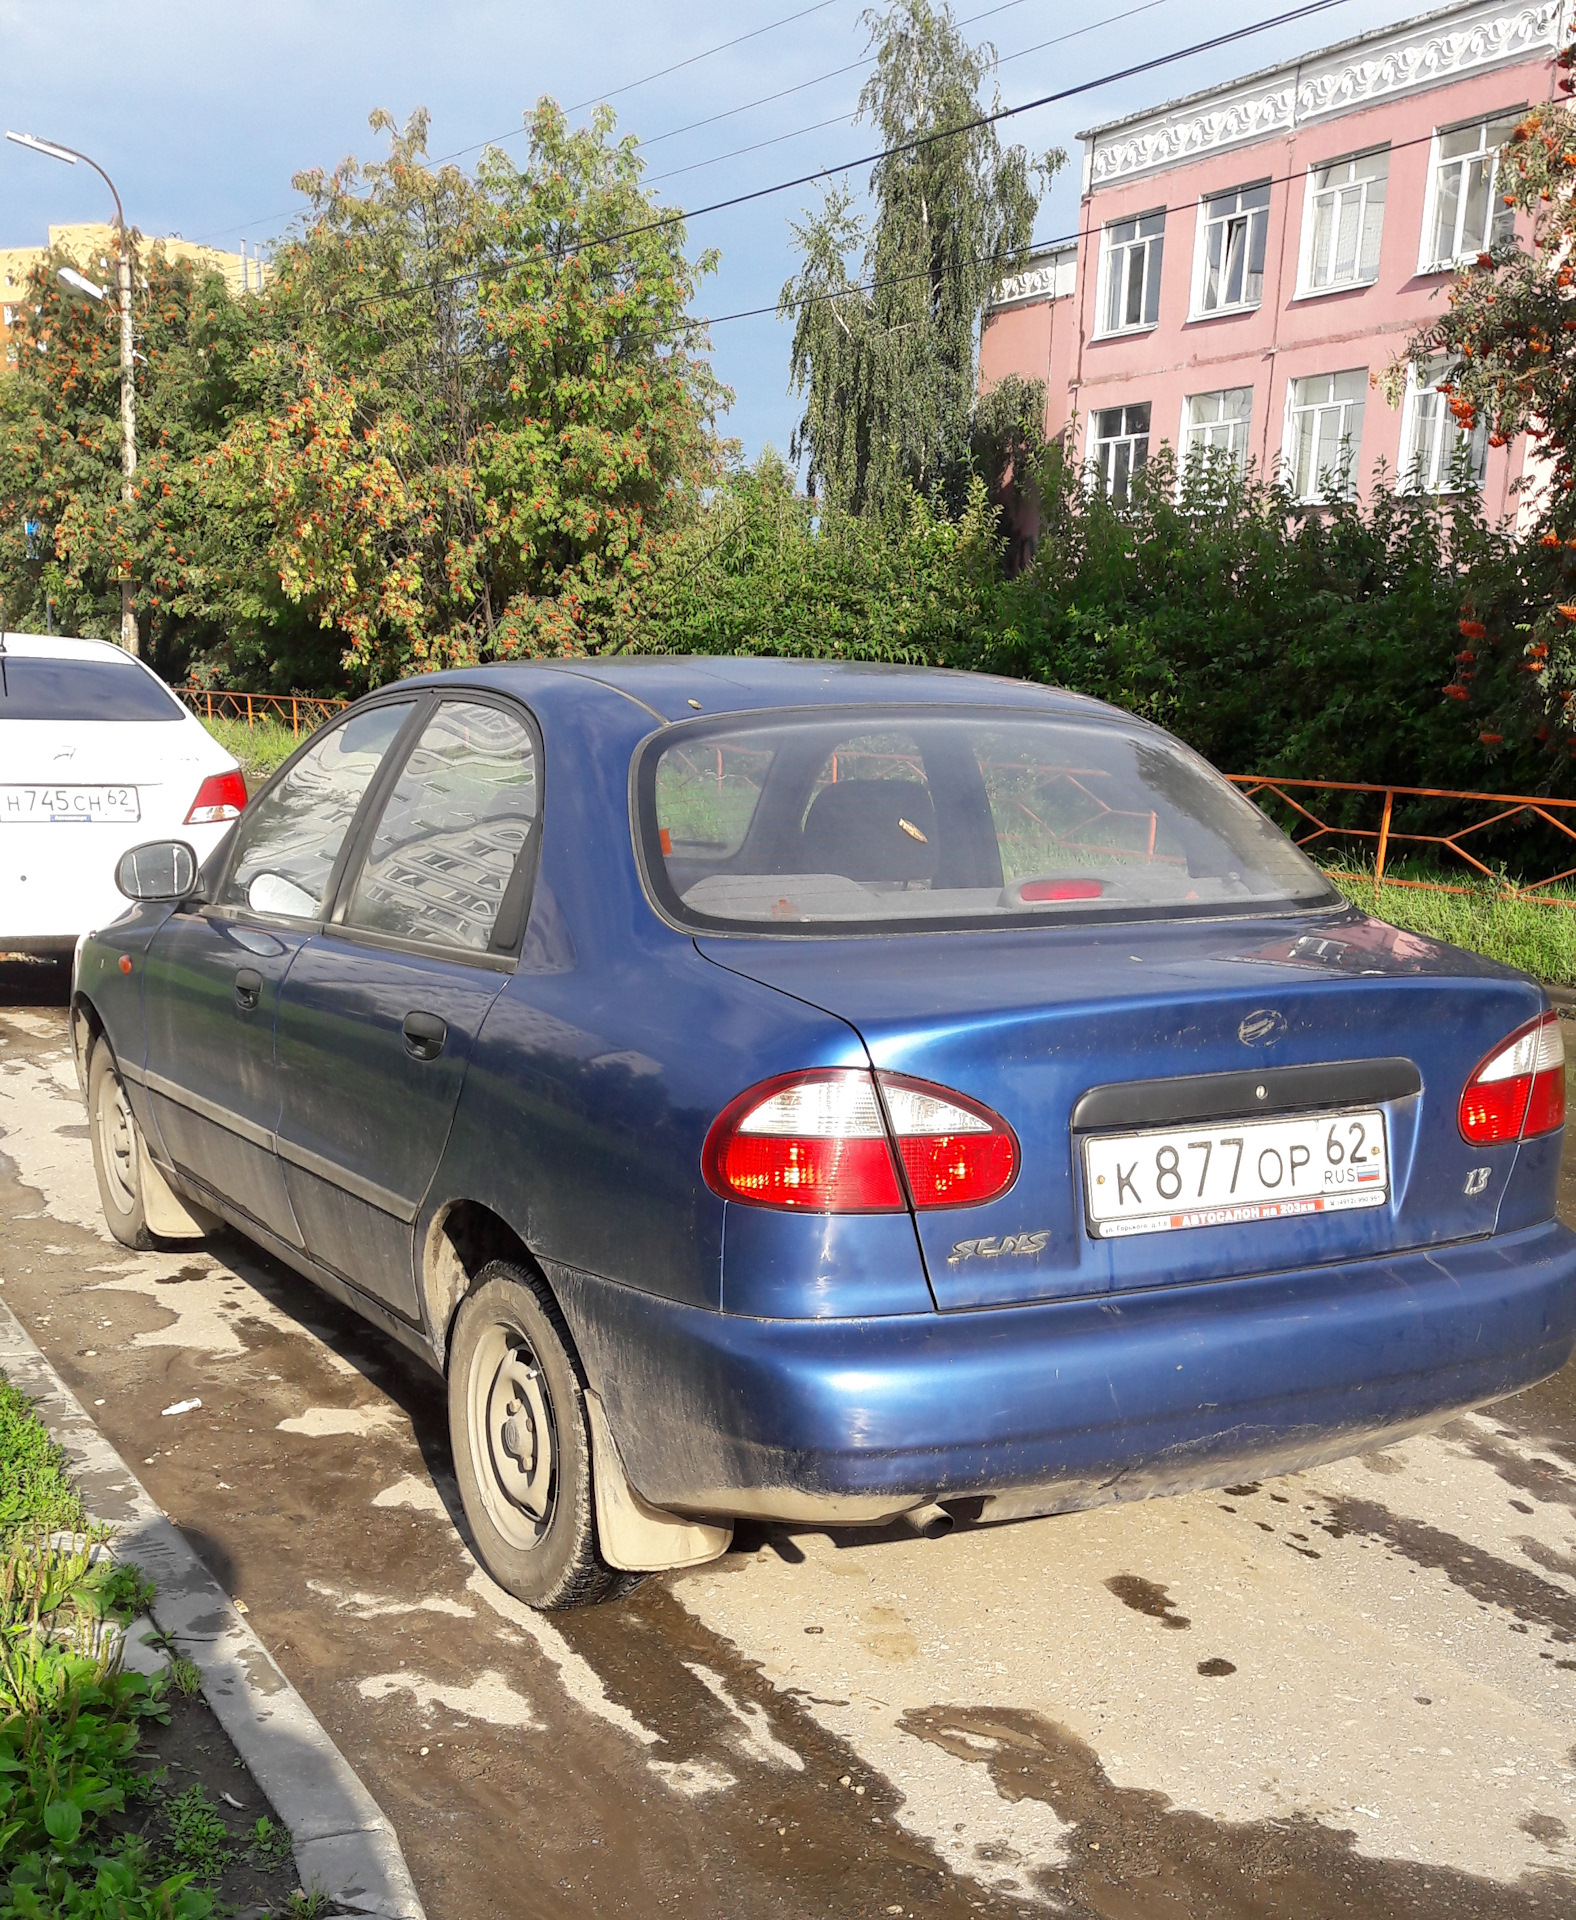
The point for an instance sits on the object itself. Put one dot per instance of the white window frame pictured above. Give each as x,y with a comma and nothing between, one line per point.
1436,479
1153,245
1427,260
1316,496
1306,290
1250,215
1097,446
1191,436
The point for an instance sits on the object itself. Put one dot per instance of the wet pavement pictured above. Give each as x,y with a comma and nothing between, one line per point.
1345,1692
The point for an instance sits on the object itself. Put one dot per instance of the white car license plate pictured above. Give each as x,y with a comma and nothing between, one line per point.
32,806
1233,1174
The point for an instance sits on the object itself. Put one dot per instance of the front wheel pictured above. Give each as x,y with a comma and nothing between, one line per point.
522,1446
117,1152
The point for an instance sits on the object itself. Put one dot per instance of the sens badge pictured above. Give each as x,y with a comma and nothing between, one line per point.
991,1248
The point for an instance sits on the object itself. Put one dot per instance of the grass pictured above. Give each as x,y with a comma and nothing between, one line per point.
70,1715
1541,940
35,1493
199,1841
259,748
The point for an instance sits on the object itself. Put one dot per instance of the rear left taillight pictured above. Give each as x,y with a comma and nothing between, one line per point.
222,796
828,1142
1518,1092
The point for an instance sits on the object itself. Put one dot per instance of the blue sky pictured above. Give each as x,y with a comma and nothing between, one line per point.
201,113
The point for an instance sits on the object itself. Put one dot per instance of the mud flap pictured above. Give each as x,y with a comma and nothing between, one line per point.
167,1217
633,1536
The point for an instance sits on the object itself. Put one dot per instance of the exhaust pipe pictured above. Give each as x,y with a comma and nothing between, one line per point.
930,1521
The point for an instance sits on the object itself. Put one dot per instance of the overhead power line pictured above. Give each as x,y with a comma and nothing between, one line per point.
679,217
695,166
695,58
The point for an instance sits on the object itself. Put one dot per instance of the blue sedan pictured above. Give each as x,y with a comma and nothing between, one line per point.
827,1095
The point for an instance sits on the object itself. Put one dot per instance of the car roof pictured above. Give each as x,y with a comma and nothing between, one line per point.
676,686
64,646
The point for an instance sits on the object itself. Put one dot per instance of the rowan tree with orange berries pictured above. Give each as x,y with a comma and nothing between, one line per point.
1510,338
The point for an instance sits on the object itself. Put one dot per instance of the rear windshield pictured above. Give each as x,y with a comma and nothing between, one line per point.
100,689
859,819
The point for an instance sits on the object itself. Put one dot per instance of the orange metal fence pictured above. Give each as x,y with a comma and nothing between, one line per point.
1317,834
293,710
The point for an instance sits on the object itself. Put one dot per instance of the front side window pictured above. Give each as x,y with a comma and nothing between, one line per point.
1121,447
290,837
1133,250
888,819
1216,425
452,830
1437,456
1325,418
1345,222
1469,214
1233,230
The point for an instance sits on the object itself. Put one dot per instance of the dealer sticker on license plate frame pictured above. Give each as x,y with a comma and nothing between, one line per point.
1234,1172
29,806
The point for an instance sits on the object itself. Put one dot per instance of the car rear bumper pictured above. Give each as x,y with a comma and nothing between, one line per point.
1069,1404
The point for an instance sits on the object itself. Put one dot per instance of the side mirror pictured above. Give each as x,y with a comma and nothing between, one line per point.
158,870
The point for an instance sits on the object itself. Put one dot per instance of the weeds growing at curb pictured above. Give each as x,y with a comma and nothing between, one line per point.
35,1492
199,1841
270,1844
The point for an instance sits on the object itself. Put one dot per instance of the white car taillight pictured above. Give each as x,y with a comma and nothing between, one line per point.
1518,1092
222,796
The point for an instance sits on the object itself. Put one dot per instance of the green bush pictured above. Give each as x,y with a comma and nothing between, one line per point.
34,1491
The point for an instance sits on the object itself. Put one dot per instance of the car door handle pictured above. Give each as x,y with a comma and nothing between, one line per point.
248,989
425,1034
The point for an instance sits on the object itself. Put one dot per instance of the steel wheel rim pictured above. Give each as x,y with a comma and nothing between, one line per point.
513,1437
117,1135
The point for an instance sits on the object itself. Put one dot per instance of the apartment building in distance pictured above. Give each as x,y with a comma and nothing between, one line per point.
90,246
1251,258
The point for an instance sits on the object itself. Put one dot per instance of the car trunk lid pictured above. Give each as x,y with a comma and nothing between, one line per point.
1098,1034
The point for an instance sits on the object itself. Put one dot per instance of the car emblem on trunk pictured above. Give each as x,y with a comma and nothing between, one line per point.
1263,1028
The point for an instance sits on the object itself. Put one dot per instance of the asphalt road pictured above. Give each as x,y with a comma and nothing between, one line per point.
1346,1692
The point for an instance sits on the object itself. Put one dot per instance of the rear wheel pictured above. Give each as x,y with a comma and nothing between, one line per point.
522,1445
117,1151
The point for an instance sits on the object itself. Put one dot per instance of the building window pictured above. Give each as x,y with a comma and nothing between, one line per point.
1232,232
1132,272
1466,214
1121,446
1438,456
1344,220
1324,420
1217,424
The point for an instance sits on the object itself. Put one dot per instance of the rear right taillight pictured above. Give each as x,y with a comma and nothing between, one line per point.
821,1142
1518,1092
222,796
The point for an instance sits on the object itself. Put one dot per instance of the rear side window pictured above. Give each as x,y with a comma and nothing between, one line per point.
290,837
93,689
855,820
452,831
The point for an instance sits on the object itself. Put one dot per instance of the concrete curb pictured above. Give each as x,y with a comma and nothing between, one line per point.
343,1842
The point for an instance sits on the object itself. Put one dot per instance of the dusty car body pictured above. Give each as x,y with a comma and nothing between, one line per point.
740,1152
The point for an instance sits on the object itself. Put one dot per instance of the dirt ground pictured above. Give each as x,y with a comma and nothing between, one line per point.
1350,1692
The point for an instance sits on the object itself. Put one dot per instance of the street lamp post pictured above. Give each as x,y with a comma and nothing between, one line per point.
128,390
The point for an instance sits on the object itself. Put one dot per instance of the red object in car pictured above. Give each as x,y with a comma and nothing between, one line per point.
1518,1092
828,1141
1061,890
222,796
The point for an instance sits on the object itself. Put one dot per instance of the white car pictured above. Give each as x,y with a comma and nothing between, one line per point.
96,755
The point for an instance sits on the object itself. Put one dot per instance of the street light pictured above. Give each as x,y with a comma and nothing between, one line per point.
128,392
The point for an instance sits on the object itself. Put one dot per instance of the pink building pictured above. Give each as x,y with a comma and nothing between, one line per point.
1251,258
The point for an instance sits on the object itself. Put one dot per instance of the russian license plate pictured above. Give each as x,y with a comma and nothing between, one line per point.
33,806
1234,1174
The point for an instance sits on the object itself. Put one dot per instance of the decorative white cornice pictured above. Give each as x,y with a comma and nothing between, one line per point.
1046,276
1407,59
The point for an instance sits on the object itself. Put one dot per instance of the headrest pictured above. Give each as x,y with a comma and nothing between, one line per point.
880,830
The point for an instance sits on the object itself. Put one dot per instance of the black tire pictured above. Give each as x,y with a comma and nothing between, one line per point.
514,1380
117,1151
